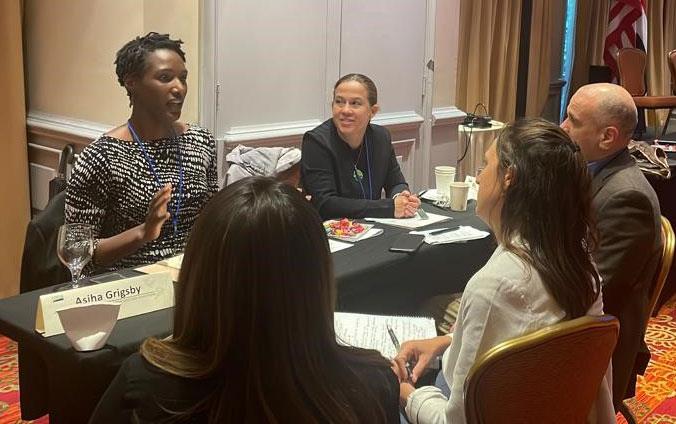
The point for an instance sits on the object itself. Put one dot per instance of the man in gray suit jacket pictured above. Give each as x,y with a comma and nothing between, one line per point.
601,119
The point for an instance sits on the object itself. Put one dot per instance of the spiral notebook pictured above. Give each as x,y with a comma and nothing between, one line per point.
370,331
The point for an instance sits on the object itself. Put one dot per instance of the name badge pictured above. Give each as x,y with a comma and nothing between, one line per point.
137,295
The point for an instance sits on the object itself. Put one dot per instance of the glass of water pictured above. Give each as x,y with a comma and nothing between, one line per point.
75,247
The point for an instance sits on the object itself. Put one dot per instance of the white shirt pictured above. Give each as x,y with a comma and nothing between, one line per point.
503,300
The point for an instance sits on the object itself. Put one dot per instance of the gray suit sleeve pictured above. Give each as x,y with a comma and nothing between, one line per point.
626,259
626,238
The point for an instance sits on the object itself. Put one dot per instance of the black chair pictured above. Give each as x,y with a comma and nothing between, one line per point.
66,160
40,266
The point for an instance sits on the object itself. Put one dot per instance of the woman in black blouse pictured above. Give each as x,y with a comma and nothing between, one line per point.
347,161
142,184
254,338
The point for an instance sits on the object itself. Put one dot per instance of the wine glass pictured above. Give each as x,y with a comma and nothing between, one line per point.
75,247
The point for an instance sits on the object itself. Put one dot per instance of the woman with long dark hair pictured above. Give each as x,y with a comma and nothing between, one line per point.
534,193
254,337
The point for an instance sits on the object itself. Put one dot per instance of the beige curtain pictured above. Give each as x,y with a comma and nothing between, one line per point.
661,40
590,34
488,56
15,210
539,56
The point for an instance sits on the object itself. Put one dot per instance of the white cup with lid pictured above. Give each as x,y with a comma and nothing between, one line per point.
444,175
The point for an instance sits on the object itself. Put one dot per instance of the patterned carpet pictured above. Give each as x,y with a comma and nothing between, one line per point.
655,401
9,386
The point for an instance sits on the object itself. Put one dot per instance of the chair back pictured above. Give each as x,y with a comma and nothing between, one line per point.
66,160
664,266
40,265
631,63
550,375
671,61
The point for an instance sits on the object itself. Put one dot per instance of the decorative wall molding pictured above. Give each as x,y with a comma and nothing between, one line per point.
269,131
46,149
44,155
404,147
405,153
448,115
70,130
286,133
207,44
47,136
396,121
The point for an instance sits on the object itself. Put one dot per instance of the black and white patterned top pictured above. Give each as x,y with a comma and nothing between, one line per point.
111,187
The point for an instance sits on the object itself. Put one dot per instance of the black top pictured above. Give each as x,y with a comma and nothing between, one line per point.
348,183
139,388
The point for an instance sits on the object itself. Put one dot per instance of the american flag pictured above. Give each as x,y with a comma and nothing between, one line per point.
627,27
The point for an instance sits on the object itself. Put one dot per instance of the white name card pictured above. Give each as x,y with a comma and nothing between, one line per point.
137,295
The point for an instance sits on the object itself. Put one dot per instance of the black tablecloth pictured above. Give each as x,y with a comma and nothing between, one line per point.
67,384
371,279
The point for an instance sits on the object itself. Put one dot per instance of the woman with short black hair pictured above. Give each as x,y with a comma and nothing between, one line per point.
142,184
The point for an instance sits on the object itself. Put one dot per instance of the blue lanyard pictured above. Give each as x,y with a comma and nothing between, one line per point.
151,165
368,170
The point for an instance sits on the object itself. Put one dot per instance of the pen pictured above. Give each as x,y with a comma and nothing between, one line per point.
422,214
442,230
395,342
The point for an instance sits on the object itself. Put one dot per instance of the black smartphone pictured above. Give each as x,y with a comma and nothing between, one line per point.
407,243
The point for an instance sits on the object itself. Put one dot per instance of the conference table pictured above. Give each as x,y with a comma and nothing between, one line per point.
66,384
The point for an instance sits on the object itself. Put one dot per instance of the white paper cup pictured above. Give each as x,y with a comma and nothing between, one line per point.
459,192
445,175
88,327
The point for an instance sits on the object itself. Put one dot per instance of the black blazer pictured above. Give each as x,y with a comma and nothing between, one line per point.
328,167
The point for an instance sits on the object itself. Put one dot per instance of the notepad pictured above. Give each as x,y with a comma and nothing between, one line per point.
414,222
464,233
370,331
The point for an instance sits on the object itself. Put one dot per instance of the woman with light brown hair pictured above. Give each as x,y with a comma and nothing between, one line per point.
254,337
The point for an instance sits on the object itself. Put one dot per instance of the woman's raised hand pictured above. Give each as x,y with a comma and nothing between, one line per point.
157,213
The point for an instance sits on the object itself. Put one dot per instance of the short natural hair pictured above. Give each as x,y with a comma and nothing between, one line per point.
131,58
546,216
369,85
